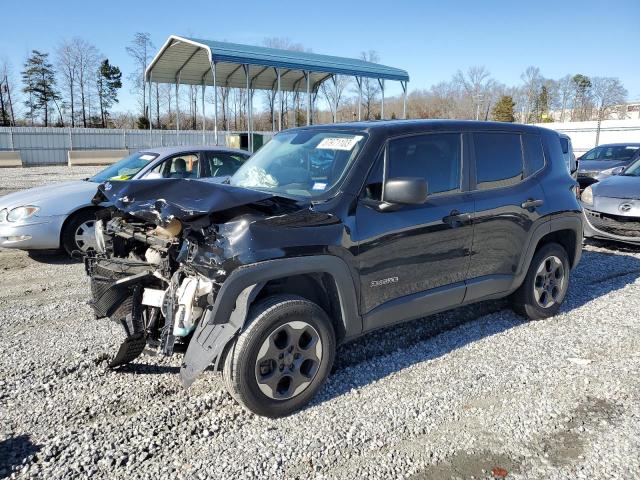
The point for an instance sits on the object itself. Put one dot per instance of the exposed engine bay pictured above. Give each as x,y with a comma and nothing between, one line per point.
159,264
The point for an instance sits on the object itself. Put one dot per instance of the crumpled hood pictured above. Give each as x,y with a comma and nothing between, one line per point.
158,201
51,195
618,186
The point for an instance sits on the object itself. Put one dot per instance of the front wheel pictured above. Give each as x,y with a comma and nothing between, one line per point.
545,285
282,358
79,232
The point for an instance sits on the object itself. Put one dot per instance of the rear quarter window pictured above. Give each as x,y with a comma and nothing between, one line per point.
533,153
564,143
498,159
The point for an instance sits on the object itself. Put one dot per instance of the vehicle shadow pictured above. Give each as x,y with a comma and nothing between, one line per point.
52,257
13,451
599,273
147,369
613,245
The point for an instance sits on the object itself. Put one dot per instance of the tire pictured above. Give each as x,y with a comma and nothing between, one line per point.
296,343
78,224
545,285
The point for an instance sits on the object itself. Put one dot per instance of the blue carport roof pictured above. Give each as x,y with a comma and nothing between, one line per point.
189,58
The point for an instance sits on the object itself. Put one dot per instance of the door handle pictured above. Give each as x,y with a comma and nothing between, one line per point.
455,218
532,204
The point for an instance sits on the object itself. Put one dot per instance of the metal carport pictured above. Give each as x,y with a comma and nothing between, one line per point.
191,61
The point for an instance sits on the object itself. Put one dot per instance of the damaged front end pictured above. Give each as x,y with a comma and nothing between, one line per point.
160,263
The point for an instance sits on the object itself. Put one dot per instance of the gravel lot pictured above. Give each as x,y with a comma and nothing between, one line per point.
458,395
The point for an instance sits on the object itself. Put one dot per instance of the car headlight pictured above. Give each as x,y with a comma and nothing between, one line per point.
587,196
611,171
21,213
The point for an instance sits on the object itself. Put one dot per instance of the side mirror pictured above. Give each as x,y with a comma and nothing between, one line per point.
405,191
574,164
153,176
617,171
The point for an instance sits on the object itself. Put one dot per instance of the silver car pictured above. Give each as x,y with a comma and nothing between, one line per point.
62,215
612,206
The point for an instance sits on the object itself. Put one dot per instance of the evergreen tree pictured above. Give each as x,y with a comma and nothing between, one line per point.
582,87
503,110
541,106
109,80
39,81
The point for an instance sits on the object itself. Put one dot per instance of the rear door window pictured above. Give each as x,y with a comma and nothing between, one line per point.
498,159
221,164
184,165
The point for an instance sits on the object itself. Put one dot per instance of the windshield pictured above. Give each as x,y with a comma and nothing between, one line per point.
126,168
305,163
611,152
632,170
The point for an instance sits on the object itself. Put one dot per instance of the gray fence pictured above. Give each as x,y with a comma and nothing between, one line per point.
49,146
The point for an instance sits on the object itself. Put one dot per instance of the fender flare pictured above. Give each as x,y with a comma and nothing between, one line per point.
572,222
227,316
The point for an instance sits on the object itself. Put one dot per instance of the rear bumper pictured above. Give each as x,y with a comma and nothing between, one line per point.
41,233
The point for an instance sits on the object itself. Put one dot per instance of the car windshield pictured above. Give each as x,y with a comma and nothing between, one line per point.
633,170
612,152
126,168
304,163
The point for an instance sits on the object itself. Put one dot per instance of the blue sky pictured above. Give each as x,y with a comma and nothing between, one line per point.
431,40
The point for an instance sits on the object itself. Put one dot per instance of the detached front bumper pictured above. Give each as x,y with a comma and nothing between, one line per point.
38,233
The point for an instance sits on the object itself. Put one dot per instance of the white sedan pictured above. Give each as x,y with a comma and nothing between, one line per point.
61,215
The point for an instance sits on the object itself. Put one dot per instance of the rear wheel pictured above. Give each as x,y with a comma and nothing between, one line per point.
282,358
79,232
545,285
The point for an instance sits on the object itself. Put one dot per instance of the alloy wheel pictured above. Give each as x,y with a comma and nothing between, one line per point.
550,282
288,360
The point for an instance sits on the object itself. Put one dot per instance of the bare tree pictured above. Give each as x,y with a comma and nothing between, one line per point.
333,91
475,85
564,94
370,86
281,43
86,58
67,64
140,49
607,93
8,94
533,81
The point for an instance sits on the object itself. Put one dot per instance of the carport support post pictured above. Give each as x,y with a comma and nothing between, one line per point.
248,107
359,82
177,109
204,117
148,113
335,99
404,99
381,82
308,76
280,99
215,103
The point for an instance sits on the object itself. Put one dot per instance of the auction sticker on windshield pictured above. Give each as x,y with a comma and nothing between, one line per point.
339,143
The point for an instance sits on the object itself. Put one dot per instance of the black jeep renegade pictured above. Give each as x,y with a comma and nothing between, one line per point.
329,232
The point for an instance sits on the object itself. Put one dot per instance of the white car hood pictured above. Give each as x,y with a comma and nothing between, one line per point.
53,199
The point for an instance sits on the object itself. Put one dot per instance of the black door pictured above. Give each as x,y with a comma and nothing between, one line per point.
408,250
506,195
